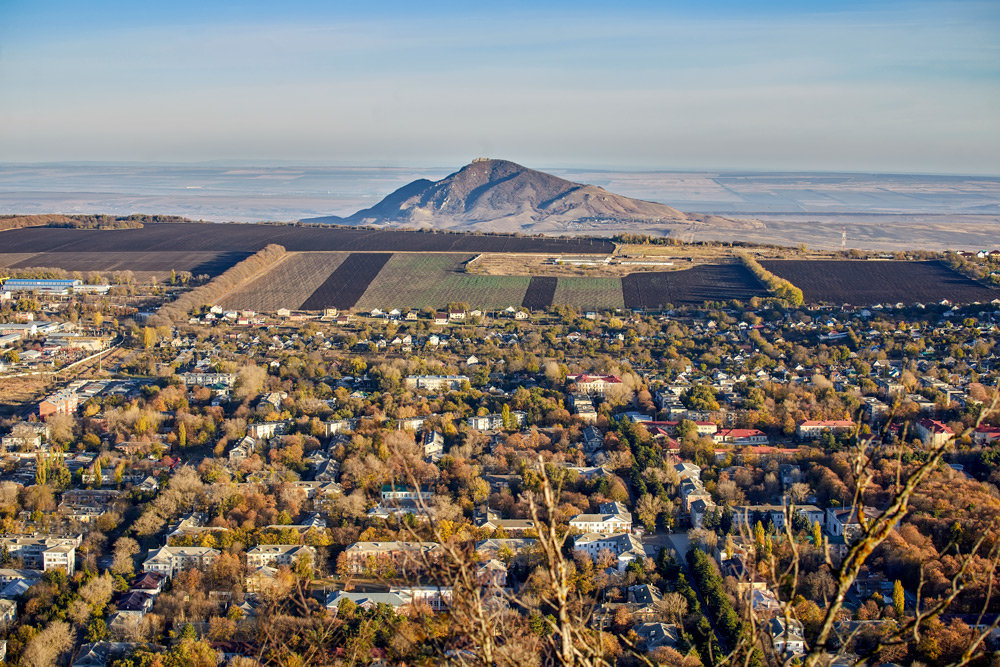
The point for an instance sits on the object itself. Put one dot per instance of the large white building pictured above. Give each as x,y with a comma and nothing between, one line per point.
274,555
625,547
44,553
168,561
436,383
594,384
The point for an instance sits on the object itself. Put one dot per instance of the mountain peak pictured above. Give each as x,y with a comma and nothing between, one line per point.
491,194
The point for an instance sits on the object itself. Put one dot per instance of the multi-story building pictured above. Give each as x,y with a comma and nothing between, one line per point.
207,379
933,433
168,561
436,383
495,421
812,429
44,553
625,547
606,523
594,384
273,555
402,556
59,403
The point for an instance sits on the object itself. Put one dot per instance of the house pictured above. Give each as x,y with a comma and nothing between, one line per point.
811,429
740,436
26,442
8,613
364,600
593,439
492,573
441,318
208,379
148,583
242,450
749,515
168,561
272,555
433,444
438,598
456,315
503,548
845,522
787,636
403,492
656,635
625,547
490,520
264,430
986,434
583,407
933,433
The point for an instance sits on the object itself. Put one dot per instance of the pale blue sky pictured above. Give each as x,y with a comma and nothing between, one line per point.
862,86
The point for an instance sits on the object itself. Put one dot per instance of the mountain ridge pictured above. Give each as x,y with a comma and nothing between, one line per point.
503,196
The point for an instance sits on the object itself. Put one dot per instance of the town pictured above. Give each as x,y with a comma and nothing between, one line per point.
319,487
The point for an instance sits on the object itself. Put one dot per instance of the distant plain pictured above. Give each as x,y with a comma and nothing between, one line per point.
877,211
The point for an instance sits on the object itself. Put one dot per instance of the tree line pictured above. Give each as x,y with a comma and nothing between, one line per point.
782,288
211,292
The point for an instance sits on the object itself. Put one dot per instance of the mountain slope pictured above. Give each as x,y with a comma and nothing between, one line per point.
498,195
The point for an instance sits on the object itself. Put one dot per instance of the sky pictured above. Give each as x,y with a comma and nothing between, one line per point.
879,86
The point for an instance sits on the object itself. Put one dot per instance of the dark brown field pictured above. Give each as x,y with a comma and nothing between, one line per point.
691,287
541,289
198,263
865,283
189,237
345,285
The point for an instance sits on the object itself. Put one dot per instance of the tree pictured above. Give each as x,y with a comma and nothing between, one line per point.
97,630
125,549
181,435
648,508
45,649
148,337
508,422
249,382
898,599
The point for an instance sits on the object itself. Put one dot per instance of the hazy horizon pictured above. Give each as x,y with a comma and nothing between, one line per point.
253,193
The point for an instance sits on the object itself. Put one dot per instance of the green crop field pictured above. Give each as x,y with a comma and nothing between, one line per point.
433,280
582,292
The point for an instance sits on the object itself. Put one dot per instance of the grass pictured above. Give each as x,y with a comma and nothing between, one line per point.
593,293
433,280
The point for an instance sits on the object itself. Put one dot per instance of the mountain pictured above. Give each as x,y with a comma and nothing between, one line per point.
498,195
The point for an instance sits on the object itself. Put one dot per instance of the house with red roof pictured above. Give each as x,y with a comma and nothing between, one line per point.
811,429
932,432
740,436
986,434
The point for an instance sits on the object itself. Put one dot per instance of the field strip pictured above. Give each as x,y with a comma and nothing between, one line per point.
433,280
348,282
596,293
540,291
286,284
